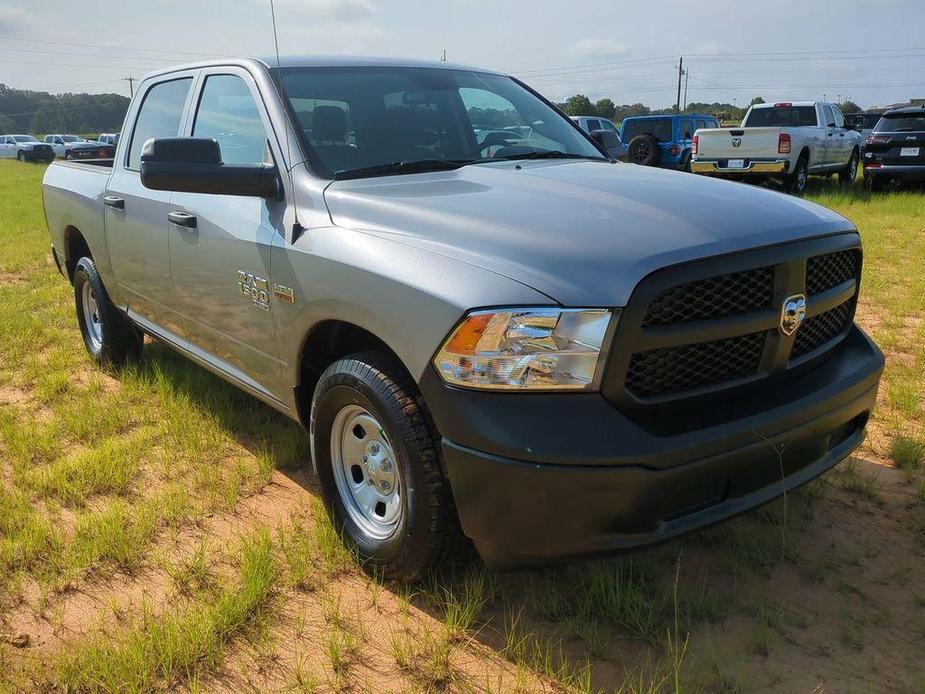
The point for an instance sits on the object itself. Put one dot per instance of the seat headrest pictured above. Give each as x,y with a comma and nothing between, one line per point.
329,124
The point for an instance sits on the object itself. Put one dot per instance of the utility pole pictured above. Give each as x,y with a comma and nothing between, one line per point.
444,56
131,86
687,78
677,104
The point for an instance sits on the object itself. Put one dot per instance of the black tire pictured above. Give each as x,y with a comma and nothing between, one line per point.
848,175
873,183
67,154
113,338
427,532
795,183
686,163
643,150
21,155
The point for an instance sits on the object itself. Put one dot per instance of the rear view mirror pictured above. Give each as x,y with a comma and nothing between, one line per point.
194,165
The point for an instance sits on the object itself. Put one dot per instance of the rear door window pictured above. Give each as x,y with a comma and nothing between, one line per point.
829,116
781,117
901,124
659,129
593,125
159,116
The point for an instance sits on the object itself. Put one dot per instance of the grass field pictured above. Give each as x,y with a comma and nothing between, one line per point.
158,531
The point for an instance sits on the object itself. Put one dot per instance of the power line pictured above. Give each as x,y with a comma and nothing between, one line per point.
82,65
111,47
83,55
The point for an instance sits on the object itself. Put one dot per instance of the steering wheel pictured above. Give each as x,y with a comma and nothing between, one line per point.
496,138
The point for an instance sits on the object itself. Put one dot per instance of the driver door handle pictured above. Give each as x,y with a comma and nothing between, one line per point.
182,219
114,202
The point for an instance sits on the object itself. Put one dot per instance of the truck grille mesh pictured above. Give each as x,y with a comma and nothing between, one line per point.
737,292
826,271
672,370
819,330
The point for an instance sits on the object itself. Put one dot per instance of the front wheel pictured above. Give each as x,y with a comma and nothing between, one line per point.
109,336
67,155
847,175
21,156
380,467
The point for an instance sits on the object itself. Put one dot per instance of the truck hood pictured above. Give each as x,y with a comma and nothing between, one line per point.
582,232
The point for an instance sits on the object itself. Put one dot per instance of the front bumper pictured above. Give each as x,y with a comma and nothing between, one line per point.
542,478
38,155
720,168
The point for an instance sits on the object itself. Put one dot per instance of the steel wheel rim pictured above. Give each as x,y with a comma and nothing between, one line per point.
801,178
366,472
91,311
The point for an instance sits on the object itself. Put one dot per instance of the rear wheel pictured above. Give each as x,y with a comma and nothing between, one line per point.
380,468
109,336
796,182
847,175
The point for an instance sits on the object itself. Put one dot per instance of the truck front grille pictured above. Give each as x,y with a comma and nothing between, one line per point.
685,334
676,369
713,297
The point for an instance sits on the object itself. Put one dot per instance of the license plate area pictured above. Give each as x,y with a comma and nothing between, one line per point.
735,164
909,152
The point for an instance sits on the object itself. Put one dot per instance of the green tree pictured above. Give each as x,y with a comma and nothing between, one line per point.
756,100
579,105
849,107
606,108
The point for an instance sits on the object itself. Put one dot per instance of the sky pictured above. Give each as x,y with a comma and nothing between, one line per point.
872,51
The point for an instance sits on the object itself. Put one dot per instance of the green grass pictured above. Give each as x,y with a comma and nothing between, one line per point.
167,649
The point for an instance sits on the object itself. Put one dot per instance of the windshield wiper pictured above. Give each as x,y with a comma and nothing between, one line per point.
401,167
546,154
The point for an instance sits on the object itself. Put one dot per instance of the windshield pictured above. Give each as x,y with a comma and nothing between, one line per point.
359,118
901,123
781,117
24,138
659,128
72,138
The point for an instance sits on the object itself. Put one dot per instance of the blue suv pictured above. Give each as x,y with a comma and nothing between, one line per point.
663,141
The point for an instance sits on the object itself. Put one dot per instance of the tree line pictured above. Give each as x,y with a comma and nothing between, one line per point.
25,111
580,105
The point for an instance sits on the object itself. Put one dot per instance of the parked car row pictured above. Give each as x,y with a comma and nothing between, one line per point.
29,148
785,142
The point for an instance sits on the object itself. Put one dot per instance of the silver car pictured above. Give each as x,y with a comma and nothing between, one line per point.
511,340
24,148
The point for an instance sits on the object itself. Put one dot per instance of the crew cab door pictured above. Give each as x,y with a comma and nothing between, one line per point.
843,138
136,217
832,147
220,252
7,147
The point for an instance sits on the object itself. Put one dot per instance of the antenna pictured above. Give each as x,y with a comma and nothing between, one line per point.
297,228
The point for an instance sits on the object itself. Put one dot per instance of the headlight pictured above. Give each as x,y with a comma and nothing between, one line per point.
526,349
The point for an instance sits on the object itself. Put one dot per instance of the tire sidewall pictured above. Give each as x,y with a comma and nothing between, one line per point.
798,188
333,394
85,273
21,155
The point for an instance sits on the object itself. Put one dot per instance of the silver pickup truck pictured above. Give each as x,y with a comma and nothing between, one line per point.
785,141
547,352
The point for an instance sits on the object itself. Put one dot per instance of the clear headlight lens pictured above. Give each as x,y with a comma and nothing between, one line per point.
526,349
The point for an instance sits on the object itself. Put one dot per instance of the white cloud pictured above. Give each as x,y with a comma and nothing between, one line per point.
13,20
600,48
330,10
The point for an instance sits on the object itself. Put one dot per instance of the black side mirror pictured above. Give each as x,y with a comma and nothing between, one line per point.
194,165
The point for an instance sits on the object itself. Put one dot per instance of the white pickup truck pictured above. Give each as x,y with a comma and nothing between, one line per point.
786,141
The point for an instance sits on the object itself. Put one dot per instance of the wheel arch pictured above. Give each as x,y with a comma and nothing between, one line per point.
326,342
75,248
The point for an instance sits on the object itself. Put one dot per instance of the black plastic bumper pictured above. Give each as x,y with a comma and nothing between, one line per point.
33,155
540,478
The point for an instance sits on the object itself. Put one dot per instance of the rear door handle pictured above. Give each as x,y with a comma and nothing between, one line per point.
114,202
182,219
